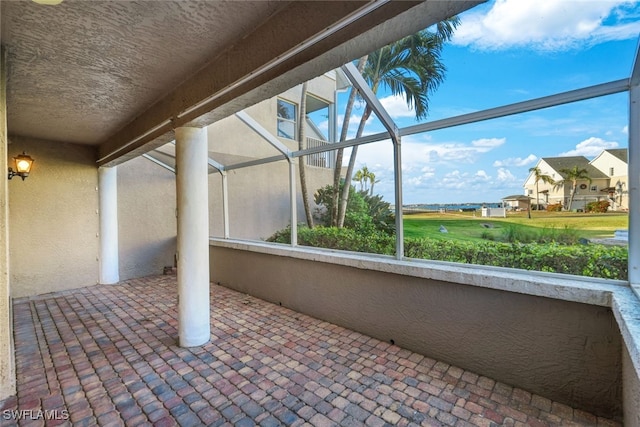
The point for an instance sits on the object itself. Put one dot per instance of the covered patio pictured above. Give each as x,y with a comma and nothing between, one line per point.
87,332
108,355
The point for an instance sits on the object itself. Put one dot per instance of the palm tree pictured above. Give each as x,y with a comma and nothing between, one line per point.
372,179
359,177
339,155
410,67
573,175
365,176
539,176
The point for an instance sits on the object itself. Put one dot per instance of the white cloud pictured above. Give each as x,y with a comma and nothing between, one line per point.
590,147
460,180
455,180
354,122
429,168
396,106
505,176
421,151
546,25
516,161
482,175
625,130
428,171
487,144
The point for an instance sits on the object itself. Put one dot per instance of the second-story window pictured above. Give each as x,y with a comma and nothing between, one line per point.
287,118
610,171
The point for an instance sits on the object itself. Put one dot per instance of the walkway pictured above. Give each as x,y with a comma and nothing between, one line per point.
106,355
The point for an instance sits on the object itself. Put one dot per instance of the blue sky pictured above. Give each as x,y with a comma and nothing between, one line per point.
507,51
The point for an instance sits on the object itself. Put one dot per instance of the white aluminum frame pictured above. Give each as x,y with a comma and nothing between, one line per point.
631,85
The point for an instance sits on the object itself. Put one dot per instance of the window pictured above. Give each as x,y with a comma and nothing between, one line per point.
287,118
530,192
594,188
610,171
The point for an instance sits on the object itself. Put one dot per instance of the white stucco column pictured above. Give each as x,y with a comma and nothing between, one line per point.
109,268
193,236
7,365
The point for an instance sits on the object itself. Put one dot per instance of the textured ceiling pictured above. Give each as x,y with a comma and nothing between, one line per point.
82,69
121,75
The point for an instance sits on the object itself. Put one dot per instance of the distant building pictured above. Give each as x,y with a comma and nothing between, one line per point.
614,163
516,202
608,172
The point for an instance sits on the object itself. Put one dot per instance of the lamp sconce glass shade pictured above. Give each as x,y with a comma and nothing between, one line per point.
23,164
48,2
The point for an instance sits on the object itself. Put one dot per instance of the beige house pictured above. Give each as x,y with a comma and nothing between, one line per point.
614,164
516,202
608,173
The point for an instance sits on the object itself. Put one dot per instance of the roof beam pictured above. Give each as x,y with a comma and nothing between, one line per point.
370,98
159,162
263,133
604,89
217,166
635,72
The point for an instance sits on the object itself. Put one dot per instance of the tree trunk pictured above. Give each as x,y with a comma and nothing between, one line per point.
340,155
302,144
530,207
344,199
573,192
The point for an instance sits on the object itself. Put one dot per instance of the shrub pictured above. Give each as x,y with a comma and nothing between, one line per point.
487,236
513,234
364,212
339,238
556,207
563,236
382,216
601,206
609,262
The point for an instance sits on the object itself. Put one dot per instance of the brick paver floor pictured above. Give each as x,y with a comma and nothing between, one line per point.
107,355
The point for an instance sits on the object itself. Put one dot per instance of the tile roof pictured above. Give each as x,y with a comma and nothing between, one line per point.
620,153
559,163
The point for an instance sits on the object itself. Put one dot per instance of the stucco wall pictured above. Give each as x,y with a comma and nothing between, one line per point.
631,392
54,218
259,195
566,351
259,199
146,218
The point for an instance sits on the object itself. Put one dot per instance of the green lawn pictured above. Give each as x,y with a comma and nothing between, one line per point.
464,226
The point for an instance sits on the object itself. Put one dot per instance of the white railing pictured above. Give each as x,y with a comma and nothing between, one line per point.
325,159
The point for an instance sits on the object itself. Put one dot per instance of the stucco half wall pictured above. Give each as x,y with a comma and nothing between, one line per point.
631,392
565,346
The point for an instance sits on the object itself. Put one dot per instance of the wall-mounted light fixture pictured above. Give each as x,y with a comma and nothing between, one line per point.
23,164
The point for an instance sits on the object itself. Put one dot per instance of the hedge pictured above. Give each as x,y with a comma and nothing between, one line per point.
592,260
